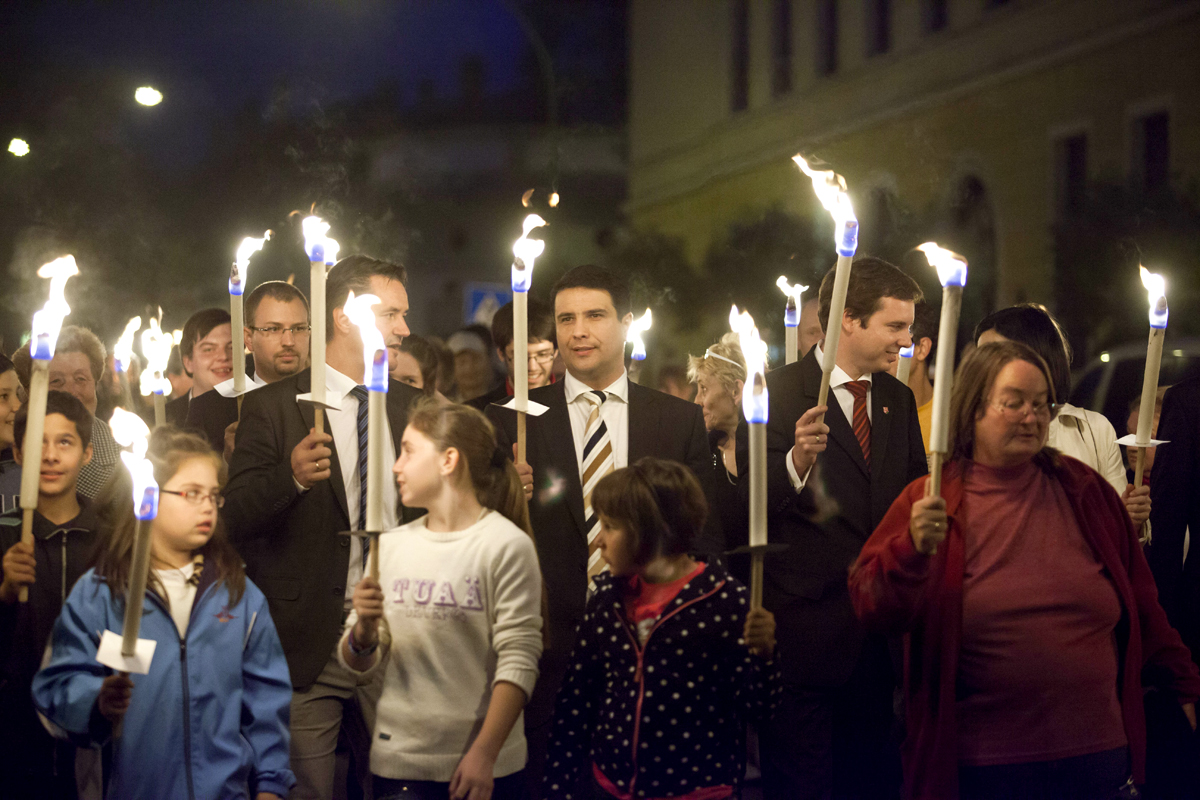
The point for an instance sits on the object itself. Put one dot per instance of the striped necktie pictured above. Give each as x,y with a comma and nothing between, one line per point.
862,422
598,461
360,394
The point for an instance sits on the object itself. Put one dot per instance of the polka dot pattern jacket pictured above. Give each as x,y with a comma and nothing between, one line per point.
664,719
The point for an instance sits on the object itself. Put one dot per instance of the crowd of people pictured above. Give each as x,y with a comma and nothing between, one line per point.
578,623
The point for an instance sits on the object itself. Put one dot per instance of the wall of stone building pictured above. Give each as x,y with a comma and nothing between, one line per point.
987,99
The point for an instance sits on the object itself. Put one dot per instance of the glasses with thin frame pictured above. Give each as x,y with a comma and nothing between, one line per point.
275,332
197,497
1014,410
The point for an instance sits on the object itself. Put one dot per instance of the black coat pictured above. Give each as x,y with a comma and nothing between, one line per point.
290,541
664,718
819,637
1175,507
659,425
210,414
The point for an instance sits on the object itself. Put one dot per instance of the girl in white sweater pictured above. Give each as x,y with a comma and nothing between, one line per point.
460,591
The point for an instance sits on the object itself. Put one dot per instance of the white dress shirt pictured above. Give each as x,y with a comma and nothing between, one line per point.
845,399
614,411
343,427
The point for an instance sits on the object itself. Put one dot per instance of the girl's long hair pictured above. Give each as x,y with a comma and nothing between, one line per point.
169,449
493,476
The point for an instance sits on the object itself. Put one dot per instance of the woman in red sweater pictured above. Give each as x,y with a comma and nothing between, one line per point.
1031,620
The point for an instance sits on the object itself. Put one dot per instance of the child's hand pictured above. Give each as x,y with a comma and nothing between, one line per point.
19,571
114,697
759,633
473,777
368,603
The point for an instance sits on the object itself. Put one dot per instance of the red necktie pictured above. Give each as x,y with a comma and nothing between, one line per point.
862,423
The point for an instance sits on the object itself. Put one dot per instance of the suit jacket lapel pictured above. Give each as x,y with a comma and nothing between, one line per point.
559,442
642,421
304,385
881,423
840,431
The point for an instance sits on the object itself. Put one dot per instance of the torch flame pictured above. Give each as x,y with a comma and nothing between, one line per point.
123,349
525,252
907,352
754,350
176,336
241,262
314,229
634,336
331,251
791,316
831,191
358,309
156,347
951,267
133,435
48,321
1156,292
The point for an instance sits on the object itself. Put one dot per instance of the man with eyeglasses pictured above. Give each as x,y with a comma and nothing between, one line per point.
277,333
542,351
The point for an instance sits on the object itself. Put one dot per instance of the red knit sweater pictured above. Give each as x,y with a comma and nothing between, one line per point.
896,589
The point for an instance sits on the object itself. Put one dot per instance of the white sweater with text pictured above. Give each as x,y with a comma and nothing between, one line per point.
464,610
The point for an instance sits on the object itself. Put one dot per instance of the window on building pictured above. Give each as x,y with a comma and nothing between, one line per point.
826,28
740,96
781,48
935,15
1152,150
1070,174
879,26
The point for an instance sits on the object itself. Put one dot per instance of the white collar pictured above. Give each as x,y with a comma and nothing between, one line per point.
338,384
576,388
839,377
1068,410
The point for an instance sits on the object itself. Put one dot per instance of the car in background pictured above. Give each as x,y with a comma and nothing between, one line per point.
1114,379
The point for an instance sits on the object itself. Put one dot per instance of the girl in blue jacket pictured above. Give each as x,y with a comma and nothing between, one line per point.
211,717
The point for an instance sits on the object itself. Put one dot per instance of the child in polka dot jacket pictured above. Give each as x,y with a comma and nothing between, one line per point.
670,661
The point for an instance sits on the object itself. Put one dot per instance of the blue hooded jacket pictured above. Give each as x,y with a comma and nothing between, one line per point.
211,717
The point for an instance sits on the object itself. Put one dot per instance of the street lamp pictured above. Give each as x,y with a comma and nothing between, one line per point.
18,147
148,96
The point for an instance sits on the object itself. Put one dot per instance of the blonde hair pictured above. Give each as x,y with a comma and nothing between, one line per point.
716,362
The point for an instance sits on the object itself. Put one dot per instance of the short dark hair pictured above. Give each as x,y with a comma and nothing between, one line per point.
1033,325
175,362
426,356
57,403
659,503
541,324
871,280
200,325
589,276
355,273
6,364
282,291
926,320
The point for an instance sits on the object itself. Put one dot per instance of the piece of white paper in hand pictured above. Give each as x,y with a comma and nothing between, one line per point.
225,388
534,410
109,654
306,399
1130,440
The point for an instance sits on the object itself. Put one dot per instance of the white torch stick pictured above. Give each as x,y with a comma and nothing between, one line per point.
123,358
156,347
952,272
831,191
904,364
1156,291
634,336
315,229
791,318
46,325
525,253
755,409
238,275
375,377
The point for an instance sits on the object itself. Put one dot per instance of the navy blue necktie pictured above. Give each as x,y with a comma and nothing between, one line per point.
360,394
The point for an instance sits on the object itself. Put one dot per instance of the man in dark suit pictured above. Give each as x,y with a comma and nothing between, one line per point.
1175,508
292,490
276,330
830,738
207,353
595,403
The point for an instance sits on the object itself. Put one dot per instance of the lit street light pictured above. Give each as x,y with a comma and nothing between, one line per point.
148,96
18,147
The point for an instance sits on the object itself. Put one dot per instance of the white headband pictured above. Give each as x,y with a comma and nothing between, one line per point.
710,354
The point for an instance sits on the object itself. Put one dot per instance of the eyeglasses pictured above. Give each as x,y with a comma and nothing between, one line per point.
1018,410
197,497
542,358
274,331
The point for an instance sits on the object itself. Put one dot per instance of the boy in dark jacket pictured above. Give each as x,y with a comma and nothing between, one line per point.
64,529
670,660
